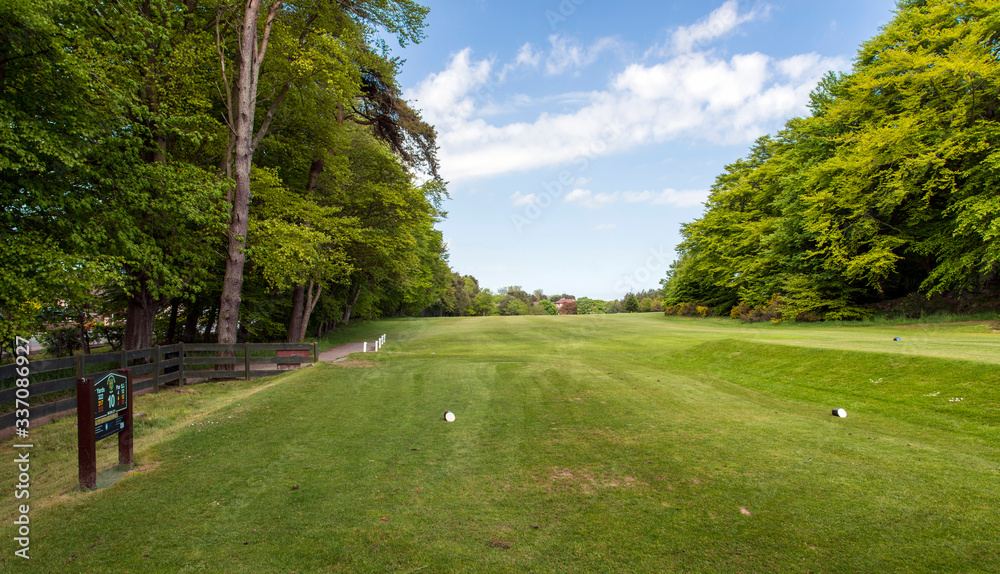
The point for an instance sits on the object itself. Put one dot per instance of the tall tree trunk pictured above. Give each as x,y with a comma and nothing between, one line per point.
314,172
191,321
295,321
350,306
139,317
299,320
312,297
172,326
213,314
250,58
81,320
304,299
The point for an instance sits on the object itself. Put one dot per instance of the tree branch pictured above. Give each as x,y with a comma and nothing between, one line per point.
271,110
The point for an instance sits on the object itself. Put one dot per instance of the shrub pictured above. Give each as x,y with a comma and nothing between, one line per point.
771,311
686,309
702,310
568,308
112,334
62,341
741,311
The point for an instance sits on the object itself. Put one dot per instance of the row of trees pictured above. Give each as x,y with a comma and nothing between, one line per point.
235,168
514,300
887,190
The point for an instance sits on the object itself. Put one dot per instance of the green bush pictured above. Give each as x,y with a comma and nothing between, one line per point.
61,342
112,334
688,309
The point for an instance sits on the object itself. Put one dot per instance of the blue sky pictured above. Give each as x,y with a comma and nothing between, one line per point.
578,135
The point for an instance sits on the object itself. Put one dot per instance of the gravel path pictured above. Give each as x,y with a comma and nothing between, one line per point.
341,351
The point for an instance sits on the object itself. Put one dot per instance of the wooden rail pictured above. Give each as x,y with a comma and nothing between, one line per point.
151,368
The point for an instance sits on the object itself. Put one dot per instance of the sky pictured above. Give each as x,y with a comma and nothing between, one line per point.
577,136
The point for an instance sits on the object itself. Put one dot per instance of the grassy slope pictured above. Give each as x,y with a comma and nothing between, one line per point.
583,444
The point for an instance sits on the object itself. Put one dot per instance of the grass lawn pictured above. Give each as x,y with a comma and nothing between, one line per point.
618,443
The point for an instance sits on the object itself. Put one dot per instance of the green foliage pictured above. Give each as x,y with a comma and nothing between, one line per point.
482,304
115,147
883,191
587,306
510,305
630,304
112,334
61,341
549,307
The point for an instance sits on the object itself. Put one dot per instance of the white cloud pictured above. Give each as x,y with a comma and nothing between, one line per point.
567,53
720,22
519,199
604,227
591,200
446,97
688,198
527,57
693,95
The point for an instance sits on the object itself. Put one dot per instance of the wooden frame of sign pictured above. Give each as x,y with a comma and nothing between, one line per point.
103,409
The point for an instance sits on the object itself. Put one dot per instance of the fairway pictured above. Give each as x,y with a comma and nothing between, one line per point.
606,443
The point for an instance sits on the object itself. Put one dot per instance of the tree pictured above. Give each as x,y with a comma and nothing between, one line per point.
879,194
482,304
568,308
297,245
115,114
631,304
510,305
310,29
549,307
586,306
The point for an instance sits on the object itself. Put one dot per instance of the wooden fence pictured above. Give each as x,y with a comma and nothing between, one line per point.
151,368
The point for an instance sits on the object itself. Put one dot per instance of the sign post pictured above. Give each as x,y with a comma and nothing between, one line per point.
103,409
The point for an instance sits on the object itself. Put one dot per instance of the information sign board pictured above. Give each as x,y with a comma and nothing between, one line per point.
110,398
109,426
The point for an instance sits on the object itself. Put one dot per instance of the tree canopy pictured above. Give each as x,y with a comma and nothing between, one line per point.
885,191
156,155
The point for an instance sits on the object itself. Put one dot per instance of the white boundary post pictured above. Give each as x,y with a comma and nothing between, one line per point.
365,347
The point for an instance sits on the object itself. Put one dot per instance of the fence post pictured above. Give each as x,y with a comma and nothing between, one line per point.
246,361
124,359
315,352
125,442
86,439
80,366
156,369
180,379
